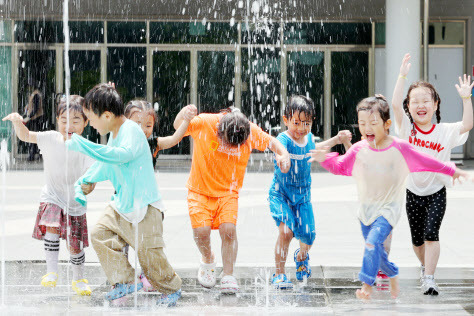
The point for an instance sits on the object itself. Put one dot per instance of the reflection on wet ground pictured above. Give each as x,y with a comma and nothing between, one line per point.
329,291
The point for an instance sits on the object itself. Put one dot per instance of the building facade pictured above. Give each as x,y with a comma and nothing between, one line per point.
216,53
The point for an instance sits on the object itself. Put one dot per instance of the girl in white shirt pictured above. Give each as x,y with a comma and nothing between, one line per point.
426,192
59,215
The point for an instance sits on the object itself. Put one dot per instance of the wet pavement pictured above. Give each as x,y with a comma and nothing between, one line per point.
330,290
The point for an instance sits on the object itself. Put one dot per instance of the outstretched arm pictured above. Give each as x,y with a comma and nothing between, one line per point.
343,137
397,99
186,113
189,112
21,130
282,156
464,89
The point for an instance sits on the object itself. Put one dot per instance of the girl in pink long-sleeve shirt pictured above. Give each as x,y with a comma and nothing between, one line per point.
380,165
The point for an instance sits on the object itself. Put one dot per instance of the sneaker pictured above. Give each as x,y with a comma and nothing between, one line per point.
207,274
147,287
169,300
229,285
281,282
429,286
49,279
81,287
121,289
303,270
382,282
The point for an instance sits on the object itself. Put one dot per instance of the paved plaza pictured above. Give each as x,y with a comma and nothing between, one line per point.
335,257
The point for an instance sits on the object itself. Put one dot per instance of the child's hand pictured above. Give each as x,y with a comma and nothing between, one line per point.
319,155
190,112
344,137
283,162
13,117
87,187
464,89
110,83
461,175
405,67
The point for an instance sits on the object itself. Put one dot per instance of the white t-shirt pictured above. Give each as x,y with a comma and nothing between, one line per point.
59,188
438,142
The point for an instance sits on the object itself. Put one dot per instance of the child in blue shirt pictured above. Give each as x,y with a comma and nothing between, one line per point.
126,161
290,193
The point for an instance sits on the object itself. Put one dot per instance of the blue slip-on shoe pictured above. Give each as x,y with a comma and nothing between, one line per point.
281,282
303,270
170,299
121,289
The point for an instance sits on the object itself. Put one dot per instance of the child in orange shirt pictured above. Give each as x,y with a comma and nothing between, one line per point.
222,146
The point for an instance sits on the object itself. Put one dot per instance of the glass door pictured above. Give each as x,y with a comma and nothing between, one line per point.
305,76
171,91
216,80
349,85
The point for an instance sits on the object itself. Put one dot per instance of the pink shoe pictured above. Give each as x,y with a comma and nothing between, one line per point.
382,281
147,287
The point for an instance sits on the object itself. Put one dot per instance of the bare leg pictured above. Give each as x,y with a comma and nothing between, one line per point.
202,237
302,255
431,257
228,234
281,248
420,253
394,287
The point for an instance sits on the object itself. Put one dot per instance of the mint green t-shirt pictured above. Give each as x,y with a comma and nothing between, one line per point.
127,162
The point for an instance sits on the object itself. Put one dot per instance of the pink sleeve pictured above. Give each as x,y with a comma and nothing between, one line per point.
419,162
342,165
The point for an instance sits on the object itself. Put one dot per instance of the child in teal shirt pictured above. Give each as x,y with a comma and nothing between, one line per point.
126,161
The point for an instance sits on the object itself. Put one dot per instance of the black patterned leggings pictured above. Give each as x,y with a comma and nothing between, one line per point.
425,214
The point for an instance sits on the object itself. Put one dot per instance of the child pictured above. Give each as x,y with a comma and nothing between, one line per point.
135,209
380,164
142,113
290,193
222,146
59,215
426,192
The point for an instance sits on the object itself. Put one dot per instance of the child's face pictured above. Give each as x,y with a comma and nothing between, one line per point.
101,124
421,105
76,123
372,127
299,125
144,120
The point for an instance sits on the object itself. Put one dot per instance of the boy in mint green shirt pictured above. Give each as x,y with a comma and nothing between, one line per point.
127,162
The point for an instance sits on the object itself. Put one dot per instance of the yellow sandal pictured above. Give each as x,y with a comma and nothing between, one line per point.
83,292
49,283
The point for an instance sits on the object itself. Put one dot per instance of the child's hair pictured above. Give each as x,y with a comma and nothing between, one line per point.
103,97
376,103
76,103
434,95
233,127
141,105
299,104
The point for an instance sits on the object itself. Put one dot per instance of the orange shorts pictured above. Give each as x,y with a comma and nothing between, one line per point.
212,211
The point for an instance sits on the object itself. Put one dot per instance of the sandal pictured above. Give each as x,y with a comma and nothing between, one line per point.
207,274
121,289
229,285
83,289
303,270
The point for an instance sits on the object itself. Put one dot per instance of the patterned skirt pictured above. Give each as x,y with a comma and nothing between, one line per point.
73,228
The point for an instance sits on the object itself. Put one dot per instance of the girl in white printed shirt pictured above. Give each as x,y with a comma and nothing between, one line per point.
426,192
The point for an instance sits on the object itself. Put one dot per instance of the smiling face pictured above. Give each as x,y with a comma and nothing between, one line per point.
422,106
76,123
102,123
145,120
298,126
372,127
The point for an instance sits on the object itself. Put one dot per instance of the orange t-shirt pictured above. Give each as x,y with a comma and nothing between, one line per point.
217,170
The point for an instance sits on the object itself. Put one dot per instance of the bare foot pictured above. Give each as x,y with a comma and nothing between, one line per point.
394,287
365,292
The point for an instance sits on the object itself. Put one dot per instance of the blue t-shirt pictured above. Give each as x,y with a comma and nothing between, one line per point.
297,181
126,161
